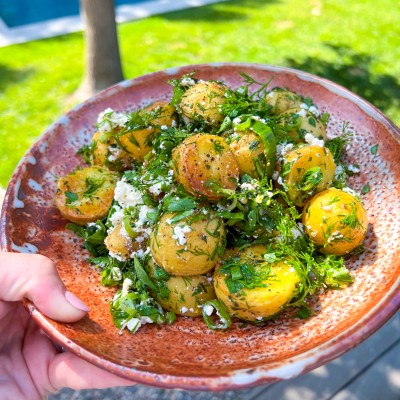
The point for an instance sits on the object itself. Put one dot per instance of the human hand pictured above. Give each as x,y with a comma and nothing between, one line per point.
30,365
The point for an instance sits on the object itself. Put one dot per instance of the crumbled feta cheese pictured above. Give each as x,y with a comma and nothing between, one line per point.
163,127
282,149
116,274
236,121
275,175
179,234
313,141
135,323
354,169
117,256
208,309
155,188
115,153
350,191
338,171
302,113
247,186
187,82
109,120
125,286
126,195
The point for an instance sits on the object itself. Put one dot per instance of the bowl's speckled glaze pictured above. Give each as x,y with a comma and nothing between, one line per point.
187,354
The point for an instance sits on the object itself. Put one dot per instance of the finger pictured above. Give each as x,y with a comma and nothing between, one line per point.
68,370
35,277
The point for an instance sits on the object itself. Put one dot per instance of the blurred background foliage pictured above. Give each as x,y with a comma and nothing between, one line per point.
351,42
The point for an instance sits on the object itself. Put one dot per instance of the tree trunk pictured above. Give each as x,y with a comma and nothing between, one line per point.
103,62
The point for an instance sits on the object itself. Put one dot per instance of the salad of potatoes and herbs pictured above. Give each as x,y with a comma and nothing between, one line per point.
222,203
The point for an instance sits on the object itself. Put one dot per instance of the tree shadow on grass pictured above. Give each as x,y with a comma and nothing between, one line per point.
353,71
11,76
216,12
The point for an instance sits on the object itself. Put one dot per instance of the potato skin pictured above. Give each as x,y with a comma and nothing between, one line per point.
184,295
202,158
297,162
188,248
247,147
138,143
202,102
335,221
85,195
120,244
103,154
258,303
282,100
303,124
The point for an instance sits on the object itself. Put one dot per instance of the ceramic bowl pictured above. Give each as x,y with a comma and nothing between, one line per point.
187,354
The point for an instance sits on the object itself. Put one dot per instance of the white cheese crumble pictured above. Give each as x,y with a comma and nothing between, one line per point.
179,234
126,195
125,286
282,149
109,120
302,113
208,309
353,168
115,153
187,82
313,141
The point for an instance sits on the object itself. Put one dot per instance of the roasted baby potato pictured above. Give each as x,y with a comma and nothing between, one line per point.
303,122
137,143
190,246
120,244
251,155
335,221
203,163
252,289
307,170
184,295
282,100
107,153
202,102
85,195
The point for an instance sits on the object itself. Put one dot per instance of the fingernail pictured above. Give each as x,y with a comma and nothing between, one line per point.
76,302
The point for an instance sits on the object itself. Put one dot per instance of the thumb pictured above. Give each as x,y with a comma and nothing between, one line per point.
35,277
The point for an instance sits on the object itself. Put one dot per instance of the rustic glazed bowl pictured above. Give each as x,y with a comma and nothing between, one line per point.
187,354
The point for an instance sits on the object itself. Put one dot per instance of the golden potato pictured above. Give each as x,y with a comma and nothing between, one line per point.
201,160
120,244
137,143
190,246
335,221
307,170
184,295
202,102
249,151
85,195
303,122
282,100
270,288
106,153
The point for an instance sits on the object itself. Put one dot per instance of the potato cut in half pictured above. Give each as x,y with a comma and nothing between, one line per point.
336,221
307,170
184,295
85,195
282,100
252,156
202,102
107,153
120,244
203,163
138,143
302,122
189,246
252,289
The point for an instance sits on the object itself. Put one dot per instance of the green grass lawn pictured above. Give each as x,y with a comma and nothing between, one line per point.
354,43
